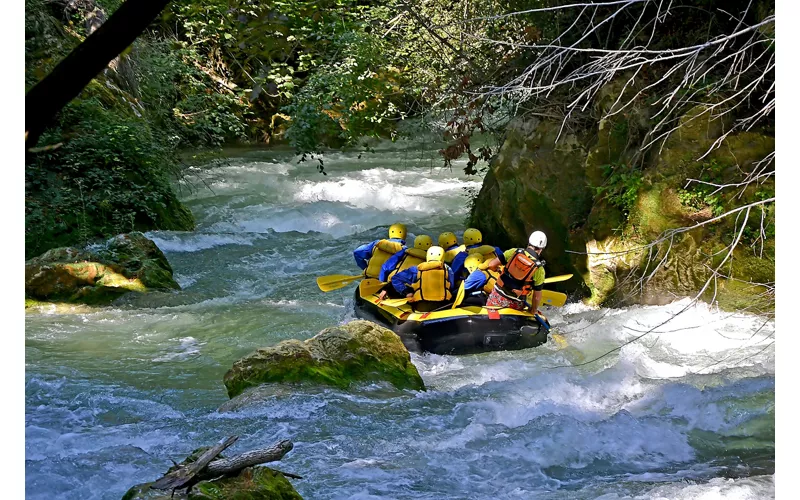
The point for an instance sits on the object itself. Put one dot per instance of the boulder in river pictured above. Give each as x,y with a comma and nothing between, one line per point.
125,263
337,356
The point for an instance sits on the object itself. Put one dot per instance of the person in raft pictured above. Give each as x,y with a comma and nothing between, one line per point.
406,258
479,283
449,242
402,260
473,243
428,285
523,273
371,256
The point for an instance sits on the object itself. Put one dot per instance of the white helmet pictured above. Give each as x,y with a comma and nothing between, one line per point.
537,239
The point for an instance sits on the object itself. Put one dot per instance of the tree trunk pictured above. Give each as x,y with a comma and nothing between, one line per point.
88,59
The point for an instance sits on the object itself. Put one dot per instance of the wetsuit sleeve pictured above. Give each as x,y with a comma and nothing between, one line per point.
452,279
390,264
458,263
363,253
402,281
538,279
475,281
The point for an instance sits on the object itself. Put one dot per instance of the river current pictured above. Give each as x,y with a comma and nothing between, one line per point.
112,394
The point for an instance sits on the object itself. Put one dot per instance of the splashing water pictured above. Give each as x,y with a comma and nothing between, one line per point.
113,394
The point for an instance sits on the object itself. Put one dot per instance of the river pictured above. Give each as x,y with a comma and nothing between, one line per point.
113,394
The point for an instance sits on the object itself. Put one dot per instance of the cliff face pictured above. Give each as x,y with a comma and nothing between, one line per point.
601,202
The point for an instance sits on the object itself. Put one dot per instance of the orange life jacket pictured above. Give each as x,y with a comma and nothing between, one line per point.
518,272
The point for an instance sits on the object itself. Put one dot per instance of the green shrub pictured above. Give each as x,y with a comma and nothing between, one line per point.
621,186
110,175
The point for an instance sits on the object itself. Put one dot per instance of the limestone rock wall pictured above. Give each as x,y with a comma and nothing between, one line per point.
600,199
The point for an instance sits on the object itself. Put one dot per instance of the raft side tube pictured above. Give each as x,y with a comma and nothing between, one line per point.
463,330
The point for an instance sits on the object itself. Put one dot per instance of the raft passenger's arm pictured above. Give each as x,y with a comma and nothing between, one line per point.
363,253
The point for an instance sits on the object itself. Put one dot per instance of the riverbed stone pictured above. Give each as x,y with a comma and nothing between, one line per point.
337,356
126,263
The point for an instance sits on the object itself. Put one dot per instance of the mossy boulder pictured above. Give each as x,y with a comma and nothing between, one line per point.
535,183
337,356
601,201
126,263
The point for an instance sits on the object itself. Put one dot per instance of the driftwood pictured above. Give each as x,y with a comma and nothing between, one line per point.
205,467
186,476
228,466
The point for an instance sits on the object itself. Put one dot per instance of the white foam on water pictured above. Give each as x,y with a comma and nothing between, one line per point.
386,189
749,488
187,348
193,242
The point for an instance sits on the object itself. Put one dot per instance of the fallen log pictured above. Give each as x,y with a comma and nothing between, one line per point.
187,475
229,466
208,466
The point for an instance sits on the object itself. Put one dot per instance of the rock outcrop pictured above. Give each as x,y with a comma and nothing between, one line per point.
600,200
125,263
337,356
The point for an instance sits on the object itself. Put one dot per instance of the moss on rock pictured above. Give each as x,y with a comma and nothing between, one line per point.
337,356
535,184
127,263
252,483
564,190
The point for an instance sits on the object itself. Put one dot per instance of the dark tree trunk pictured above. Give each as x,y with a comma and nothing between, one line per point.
88,59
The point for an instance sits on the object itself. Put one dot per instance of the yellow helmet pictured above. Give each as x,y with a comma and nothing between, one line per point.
435,254
472,236
423,242
397,231
472,261
447,239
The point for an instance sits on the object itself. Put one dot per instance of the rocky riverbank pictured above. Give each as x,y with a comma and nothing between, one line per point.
602,203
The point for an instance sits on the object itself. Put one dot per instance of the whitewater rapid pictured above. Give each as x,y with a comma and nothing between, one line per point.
113,394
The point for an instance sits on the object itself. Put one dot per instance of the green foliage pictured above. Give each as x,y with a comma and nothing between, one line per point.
110,176
701,196
184,101
354,97
621,186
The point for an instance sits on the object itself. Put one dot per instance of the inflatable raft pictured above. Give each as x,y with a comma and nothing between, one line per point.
463,330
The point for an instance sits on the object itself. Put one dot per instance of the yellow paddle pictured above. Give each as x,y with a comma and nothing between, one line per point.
459,296
394,302
551,298
336,281
370,286
554,279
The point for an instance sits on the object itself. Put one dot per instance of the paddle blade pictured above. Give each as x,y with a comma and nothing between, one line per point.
559,340
555,299
335,281
459,296
394,302
555,279
370,286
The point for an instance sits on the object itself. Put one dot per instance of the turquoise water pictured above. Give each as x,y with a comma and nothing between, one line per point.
113,394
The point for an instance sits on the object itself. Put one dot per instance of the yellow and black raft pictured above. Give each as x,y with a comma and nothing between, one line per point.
448,330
